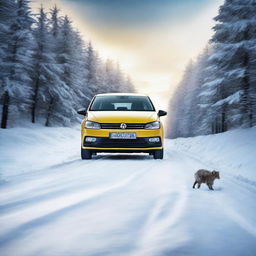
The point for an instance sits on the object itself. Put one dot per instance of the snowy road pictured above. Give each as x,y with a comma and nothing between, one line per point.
125,205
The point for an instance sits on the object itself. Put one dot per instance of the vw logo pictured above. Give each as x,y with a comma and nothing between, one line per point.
123,126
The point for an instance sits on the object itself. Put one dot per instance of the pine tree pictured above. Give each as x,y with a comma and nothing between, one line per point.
128,85
180,105
70,53
46,75
55,22
92,68
201,111
8,9
234,47
59,109
16,63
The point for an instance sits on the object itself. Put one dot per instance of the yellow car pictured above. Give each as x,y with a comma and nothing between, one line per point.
118,122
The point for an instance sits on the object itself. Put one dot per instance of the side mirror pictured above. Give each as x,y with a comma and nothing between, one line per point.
82,112
162,113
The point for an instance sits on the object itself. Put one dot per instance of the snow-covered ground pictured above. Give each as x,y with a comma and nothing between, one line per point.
54,204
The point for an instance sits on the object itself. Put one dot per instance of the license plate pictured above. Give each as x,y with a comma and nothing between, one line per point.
122,135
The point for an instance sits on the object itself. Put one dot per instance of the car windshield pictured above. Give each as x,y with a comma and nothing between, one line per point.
122,103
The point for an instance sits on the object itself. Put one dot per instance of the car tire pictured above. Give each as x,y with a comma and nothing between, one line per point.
159,154
86,154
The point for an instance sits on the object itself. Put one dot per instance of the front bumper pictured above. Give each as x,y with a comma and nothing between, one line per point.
104,144
139,144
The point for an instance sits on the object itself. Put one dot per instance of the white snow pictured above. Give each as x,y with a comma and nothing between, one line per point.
52,203
233,151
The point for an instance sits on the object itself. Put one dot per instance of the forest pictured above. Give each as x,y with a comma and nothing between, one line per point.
47,70
217,92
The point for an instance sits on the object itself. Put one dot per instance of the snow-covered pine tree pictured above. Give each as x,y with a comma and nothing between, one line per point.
128,85
60,106
202,113
92,68
118,79
8,12
47,72
80,72
55,21
69,56
113,77
234,58
109,76
115,80
179,107
188,106
16,65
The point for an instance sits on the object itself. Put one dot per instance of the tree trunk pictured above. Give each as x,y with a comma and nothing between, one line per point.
47,122
5,110
223,122
33,113
246,100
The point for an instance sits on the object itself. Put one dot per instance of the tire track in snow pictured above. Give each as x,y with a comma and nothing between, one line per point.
58,209
161,225
38,211
231,209
26,184
65,189
240,221
154,237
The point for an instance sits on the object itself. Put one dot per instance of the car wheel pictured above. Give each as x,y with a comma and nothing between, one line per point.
159,154
86,154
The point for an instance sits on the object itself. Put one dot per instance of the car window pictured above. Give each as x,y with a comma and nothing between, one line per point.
122,103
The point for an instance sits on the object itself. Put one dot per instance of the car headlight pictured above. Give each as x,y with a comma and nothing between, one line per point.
152,126
91,125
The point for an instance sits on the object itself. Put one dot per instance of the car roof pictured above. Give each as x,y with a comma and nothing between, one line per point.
120,94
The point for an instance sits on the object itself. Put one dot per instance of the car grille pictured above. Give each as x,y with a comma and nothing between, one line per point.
117,126
104,142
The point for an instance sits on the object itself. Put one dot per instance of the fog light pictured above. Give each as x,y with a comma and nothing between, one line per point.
154,140
90,139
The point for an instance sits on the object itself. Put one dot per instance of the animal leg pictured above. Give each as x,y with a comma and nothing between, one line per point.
198,185
210,186
194,184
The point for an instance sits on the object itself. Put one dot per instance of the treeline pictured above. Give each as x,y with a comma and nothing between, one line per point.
47,71
218,91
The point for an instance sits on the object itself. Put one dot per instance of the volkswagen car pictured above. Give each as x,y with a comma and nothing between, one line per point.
125,123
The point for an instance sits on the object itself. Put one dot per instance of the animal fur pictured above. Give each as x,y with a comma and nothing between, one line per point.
204,176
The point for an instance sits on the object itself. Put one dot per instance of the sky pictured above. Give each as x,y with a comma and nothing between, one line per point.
153,40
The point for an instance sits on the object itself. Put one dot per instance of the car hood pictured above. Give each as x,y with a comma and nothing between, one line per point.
122,116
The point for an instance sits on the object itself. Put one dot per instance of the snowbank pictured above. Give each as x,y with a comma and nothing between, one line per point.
36,147
234,151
